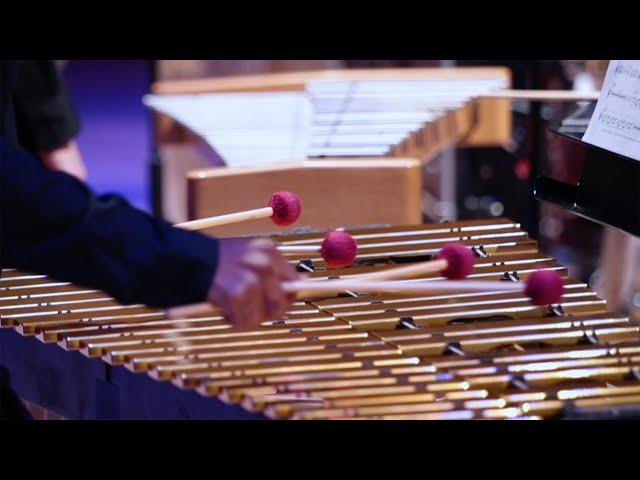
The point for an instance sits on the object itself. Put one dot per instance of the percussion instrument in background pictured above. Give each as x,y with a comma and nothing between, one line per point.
353,355
274,119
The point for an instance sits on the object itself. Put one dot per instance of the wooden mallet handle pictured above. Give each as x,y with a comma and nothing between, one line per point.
400,272
543,95
284,208
184,311
304,288
406,271
209,222
298,248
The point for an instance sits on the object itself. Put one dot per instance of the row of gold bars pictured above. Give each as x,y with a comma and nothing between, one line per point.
442,355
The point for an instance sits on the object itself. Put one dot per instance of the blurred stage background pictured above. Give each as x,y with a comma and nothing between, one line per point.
117,143
115,135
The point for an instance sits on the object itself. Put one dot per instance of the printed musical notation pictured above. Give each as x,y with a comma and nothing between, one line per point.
626,69
632,100
615,124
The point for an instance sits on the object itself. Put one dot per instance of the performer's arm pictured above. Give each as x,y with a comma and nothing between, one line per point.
45,118
52,223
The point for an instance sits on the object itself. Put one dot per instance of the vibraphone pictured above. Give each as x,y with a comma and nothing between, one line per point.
481,355
321,117
340,113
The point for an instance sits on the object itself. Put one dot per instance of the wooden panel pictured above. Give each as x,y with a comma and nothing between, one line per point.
180,69
39,413
178,159
334,193
493,125
296,81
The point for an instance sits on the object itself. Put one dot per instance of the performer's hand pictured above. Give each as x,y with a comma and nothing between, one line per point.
247,285
65,159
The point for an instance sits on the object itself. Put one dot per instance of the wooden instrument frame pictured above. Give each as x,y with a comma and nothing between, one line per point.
482,122
334,193
493,120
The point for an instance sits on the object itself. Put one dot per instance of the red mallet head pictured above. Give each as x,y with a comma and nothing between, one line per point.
544,287
460,261
286,208
339,249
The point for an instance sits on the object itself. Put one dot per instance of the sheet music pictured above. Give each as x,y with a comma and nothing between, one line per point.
615,124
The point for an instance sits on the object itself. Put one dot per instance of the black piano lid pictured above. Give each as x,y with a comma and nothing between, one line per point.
608,189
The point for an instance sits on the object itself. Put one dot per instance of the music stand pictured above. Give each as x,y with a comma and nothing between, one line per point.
608,190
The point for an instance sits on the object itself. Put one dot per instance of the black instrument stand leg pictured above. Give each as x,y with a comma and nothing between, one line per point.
537,150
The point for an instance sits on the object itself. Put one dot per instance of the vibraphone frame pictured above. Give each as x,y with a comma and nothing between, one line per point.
341,357
468,122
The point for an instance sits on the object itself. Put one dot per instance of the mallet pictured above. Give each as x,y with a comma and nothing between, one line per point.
284,209
338,249
543,287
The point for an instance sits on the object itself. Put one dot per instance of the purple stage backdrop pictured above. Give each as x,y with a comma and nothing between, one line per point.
115,131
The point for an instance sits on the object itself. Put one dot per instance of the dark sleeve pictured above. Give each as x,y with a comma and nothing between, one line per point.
53,224
45,117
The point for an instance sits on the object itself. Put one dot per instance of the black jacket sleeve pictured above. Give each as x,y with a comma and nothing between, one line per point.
45,118
53,224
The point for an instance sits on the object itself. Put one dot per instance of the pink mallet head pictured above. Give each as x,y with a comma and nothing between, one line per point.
339,249
544,287
460,261
286,208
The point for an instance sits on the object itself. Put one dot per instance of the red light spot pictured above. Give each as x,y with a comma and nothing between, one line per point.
522,169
